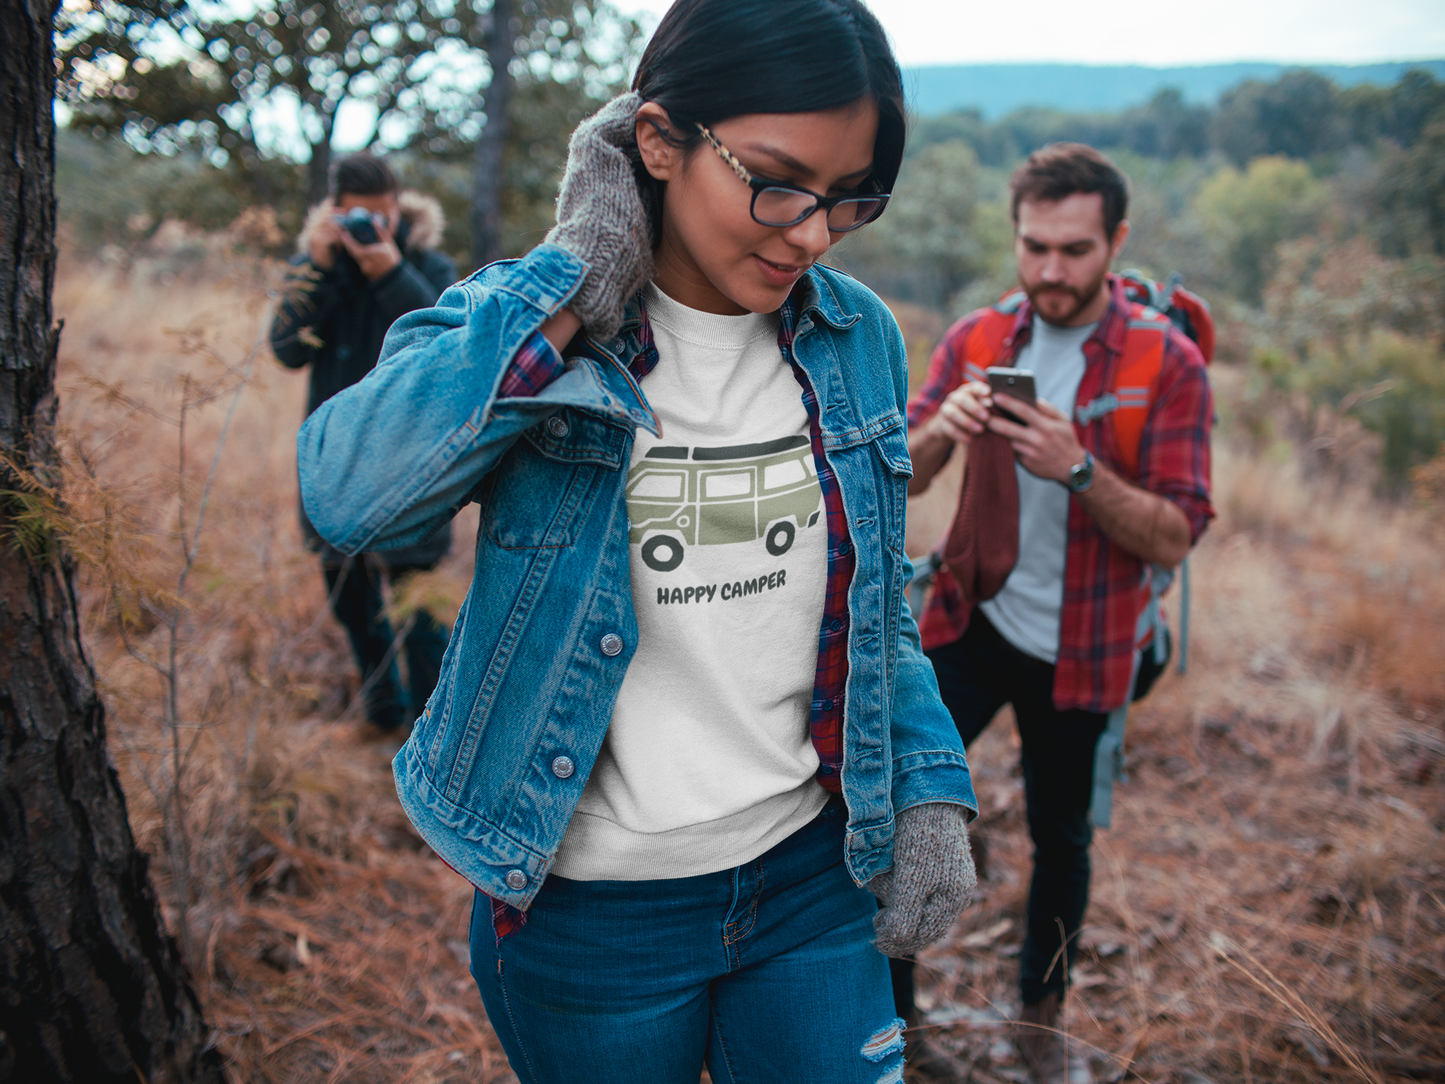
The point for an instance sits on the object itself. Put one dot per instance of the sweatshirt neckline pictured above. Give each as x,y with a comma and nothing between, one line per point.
708,329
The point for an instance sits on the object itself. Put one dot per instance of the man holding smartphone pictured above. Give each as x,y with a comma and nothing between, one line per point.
366,256
1058,640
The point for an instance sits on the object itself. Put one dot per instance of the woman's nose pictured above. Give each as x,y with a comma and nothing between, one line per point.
811,234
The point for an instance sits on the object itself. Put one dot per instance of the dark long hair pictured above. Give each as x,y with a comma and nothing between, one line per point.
714,59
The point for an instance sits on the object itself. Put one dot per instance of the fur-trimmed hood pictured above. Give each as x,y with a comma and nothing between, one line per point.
421,213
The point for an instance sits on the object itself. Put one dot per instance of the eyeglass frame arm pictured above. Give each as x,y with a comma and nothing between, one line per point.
757,184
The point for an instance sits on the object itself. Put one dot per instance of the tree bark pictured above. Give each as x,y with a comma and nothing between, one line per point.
486,210
91,987
318,170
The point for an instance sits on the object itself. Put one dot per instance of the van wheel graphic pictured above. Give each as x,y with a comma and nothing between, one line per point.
780,538
663,553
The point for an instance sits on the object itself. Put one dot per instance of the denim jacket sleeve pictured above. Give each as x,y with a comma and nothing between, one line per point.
388,460
929,764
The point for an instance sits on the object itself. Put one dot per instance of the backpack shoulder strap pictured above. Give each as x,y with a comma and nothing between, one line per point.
988,340
1135,378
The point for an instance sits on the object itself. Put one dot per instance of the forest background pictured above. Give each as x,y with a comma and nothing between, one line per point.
1272,905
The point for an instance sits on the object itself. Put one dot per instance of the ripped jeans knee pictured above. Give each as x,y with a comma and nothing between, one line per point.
886,1045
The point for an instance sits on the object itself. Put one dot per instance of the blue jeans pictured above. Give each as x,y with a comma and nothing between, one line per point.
766,971
977,675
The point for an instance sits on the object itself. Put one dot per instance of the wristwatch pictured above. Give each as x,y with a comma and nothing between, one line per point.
1081,476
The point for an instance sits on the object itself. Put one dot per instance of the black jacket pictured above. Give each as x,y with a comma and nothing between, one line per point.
335,322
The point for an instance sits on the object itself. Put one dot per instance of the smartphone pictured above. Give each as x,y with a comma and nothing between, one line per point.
359,223
1016,382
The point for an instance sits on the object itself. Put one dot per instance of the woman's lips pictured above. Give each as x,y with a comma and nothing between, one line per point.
778,274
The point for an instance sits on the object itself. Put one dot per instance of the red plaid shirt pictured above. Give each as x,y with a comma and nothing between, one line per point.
1104,585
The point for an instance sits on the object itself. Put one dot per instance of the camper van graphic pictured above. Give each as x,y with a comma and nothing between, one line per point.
679,497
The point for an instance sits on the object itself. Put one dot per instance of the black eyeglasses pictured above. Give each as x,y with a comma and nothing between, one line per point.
776,203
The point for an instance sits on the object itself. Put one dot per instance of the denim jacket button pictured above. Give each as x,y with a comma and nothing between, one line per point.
516,880
558,427
611,644
562,767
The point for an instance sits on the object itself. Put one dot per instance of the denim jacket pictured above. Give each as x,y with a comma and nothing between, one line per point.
495,766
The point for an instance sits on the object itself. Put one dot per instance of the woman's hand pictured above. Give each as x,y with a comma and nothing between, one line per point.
931,881
600,218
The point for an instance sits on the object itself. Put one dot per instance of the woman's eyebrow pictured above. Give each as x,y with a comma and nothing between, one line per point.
783,158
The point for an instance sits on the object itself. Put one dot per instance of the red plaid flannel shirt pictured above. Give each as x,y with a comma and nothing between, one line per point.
537,364
1104,585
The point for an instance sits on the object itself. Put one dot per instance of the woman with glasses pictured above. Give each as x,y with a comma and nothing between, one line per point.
685,744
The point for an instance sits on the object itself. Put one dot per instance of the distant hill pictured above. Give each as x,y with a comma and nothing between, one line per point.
996,89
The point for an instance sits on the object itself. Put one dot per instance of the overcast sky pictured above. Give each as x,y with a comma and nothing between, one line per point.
1157,34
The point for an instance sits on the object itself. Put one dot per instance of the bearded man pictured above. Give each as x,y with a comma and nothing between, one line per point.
1097,516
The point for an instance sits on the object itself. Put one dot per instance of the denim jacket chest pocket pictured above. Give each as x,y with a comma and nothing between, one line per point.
540,493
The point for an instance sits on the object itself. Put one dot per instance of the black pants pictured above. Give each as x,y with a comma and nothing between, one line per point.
978,674
358,605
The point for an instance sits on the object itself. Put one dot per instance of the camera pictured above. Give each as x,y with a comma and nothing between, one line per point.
361,224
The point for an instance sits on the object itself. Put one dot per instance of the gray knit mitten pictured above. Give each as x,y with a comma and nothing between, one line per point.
600,218
931,881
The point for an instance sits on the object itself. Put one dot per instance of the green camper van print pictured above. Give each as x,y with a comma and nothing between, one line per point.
679,497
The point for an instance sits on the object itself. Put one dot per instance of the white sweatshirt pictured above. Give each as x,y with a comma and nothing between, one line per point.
708,760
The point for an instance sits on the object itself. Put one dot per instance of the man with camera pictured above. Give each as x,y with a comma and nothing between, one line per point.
365,257
1100,413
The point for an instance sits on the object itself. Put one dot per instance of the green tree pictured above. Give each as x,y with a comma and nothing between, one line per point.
989,142
1409,195
1246,215
258,80
1166,127
944,228
1398,113
1297,115
1395,385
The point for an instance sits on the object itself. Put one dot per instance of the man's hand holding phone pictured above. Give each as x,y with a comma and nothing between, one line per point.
1043,437
964,414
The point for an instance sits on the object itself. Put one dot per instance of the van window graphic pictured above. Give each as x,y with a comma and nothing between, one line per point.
679,497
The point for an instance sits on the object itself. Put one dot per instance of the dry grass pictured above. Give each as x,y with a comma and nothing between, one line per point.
1270,906
327,942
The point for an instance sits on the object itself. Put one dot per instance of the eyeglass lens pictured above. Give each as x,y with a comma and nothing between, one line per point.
787,207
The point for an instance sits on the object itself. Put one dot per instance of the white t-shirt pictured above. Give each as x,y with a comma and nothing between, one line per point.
708,760
1026,610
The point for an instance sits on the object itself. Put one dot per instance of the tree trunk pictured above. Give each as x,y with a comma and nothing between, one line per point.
486,212
318,170
91,987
